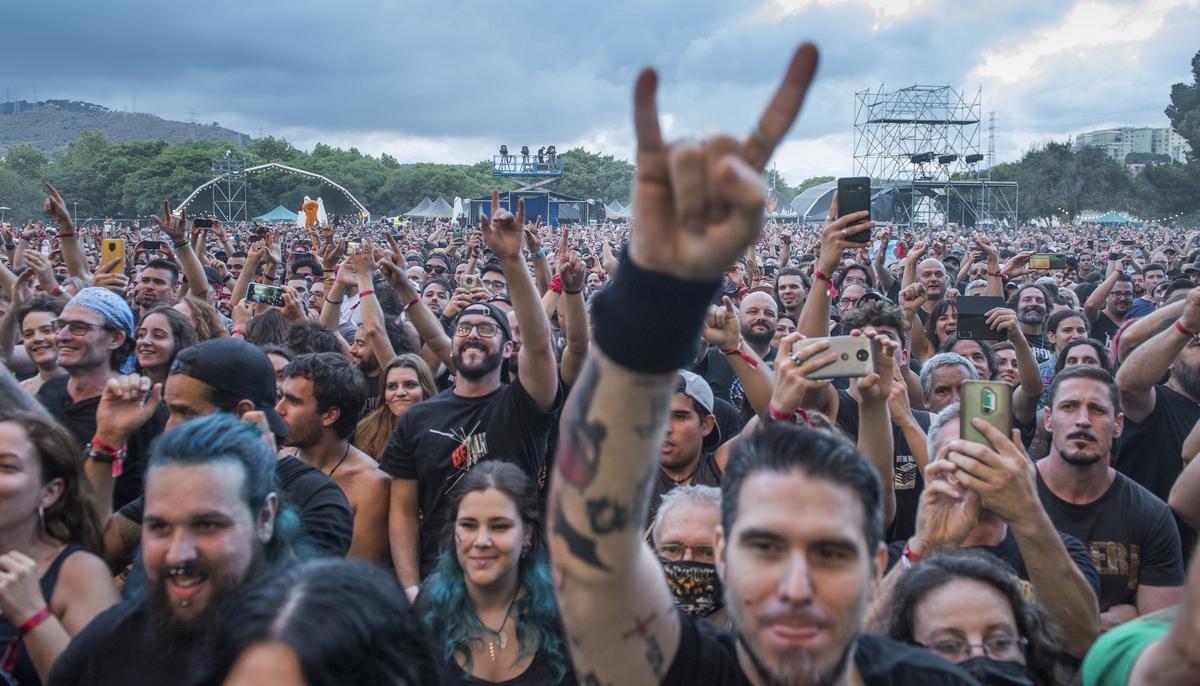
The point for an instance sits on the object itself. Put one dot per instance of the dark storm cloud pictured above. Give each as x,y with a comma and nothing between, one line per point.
532,70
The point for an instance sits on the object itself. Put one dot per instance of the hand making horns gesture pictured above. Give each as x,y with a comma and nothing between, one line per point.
698,204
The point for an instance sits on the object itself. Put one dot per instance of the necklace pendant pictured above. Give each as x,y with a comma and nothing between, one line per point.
503,640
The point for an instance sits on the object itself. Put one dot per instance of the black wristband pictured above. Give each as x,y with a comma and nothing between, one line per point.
573,292
648,321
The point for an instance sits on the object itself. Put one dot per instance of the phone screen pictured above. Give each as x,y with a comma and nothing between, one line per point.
264,294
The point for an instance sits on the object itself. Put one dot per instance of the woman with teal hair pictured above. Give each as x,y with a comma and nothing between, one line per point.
489,605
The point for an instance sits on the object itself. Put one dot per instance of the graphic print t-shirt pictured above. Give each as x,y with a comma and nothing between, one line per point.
438,441
1130,534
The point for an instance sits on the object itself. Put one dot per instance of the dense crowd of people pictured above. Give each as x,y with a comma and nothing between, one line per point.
511,453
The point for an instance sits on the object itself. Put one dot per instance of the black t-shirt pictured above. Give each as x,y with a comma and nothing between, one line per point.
907,480
707,474
438,441
719,374
708,656
1008,551
1151,451
1130,534
372,399
80,419
326,520
121,646
1104,328
1042,349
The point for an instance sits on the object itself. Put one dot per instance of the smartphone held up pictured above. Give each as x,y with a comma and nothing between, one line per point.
854,195
857,356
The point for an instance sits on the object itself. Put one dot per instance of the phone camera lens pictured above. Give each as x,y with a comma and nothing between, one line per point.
845,357
863,355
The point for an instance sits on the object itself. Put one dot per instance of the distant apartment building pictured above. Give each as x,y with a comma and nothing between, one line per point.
1118,143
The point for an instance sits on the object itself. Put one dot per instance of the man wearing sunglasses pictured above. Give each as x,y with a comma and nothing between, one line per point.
439,440
95,338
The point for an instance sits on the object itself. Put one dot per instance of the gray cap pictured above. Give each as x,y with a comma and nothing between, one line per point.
695,387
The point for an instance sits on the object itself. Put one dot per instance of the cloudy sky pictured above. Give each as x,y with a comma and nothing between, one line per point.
449,80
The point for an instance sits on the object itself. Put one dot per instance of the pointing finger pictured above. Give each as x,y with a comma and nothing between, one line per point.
645,112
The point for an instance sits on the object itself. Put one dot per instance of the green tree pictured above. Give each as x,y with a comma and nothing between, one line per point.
1184,110
26,161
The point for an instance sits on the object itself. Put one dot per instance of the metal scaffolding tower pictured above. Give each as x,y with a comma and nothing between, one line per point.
229,189
921,147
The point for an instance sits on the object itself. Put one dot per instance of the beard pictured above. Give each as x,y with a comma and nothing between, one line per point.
368,364
796,667
477,371
304,436
1032,315
756,338
185,635
1187,376
1082,457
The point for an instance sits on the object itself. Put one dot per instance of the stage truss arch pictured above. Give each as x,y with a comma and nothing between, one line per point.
286,169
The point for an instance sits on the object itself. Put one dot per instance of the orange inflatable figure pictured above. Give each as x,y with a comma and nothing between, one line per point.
310,212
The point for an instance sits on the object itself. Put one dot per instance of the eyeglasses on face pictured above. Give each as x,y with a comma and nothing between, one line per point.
436,269
674,552
485,329
77,328
1004,648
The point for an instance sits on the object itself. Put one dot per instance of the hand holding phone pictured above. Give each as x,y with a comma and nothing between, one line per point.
854,195
990,401
265,294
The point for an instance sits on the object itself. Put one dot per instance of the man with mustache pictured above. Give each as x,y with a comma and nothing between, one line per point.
1032,304
439,440
1130,533
213,523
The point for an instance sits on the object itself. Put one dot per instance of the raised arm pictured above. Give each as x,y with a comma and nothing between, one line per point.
538,370
1099,297
1185,493
614,602
882,276
1146,365
1027,395
995,281
72,250
176,227
537,256
363,265
1145,328
722,329
572,312
422,318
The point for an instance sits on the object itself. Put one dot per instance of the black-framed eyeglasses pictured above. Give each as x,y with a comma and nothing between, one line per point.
485,329
77,328
1004,648
674,552
436,269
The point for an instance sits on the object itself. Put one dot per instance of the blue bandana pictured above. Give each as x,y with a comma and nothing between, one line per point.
108,305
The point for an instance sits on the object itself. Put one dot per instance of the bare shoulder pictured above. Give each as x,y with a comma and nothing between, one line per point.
82,574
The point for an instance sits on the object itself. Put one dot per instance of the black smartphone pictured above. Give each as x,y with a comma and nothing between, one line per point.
972,317
264,294
151,245
202,223
854,195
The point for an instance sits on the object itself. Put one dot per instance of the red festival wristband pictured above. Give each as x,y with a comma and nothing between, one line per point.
365,294
9,661
778,414
414,301
831,290
737,350
556,284
1184,330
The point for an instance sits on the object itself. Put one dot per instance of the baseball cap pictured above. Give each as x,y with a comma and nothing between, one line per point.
489,310
695,387
237,370
1193,268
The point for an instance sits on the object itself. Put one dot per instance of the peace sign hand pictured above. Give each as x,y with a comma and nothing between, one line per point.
698,205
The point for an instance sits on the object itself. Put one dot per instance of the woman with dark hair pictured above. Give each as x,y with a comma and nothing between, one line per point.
1084,351
942,323
53,584
162,333
489,605
204,318
407,381
268,328
968,607
326,623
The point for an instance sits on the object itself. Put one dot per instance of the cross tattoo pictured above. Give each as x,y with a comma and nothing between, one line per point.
640,626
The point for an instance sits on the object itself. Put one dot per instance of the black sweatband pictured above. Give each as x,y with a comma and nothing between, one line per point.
649,321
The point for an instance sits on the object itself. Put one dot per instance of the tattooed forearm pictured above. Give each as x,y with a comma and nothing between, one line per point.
606,515
581,546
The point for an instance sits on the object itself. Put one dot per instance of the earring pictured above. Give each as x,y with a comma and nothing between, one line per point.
41,517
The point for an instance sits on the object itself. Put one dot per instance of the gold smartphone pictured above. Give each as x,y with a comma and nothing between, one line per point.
110,248
990,401
857,356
